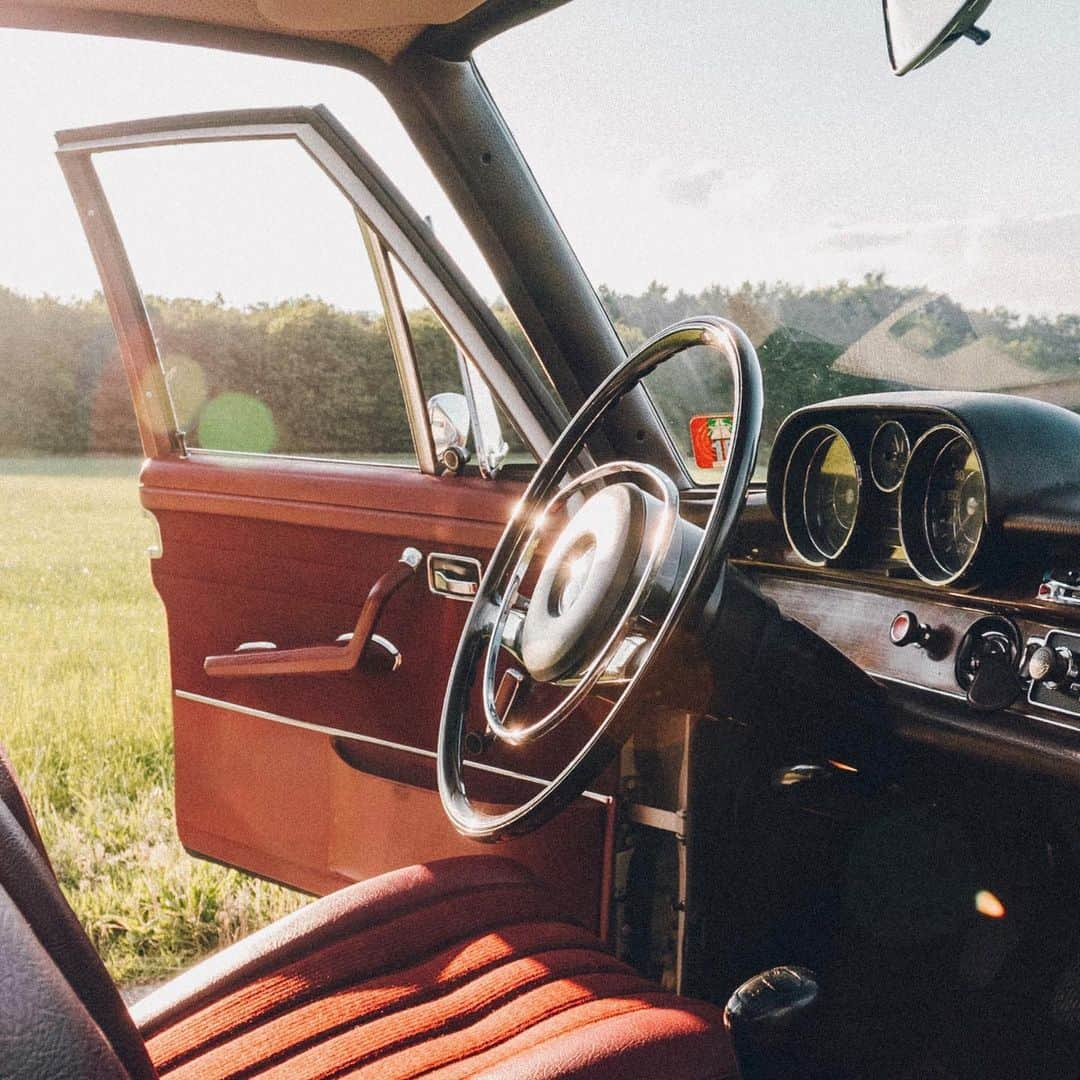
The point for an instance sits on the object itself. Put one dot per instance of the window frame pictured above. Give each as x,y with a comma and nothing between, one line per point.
384,216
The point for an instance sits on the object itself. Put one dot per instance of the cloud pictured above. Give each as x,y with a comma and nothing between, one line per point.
694,189
707,184
1019,230
1039,229
1023,261
863,239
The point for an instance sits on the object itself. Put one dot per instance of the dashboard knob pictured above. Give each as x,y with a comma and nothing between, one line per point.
905,629
1052,667
988,663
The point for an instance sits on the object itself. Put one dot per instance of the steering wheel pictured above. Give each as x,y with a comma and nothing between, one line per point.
622,574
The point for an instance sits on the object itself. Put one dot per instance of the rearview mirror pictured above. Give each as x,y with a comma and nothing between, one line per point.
916,31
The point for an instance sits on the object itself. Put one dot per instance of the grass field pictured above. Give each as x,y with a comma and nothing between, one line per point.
84,714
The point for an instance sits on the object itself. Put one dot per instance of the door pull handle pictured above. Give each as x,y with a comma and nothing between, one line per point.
358,648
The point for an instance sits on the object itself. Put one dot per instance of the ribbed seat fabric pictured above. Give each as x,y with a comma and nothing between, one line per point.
460,968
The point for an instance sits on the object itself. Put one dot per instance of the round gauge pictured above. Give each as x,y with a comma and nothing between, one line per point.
943,505
821,495
955,506
831,495
889,455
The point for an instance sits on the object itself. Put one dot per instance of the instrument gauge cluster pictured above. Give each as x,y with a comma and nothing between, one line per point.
901,490
951,488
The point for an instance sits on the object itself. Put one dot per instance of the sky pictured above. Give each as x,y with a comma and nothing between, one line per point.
764,141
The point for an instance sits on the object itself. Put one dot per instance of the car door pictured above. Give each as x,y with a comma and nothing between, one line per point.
307,468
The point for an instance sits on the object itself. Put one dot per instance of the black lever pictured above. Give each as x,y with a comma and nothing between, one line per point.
996,684
771,1019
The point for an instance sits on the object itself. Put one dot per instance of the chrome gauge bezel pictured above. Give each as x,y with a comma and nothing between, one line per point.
793,506
914,492
870,460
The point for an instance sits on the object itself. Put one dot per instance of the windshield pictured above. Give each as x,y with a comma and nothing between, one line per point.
868,232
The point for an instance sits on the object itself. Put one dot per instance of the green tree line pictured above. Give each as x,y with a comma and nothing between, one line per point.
305,377
324,379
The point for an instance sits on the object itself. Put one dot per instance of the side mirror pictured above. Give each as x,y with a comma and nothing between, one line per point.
917,31
454,416
449,415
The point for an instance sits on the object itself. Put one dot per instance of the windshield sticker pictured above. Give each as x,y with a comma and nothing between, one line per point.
710,437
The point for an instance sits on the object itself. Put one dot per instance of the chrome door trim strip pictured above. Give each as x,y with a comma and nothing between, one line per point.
338,733
401,345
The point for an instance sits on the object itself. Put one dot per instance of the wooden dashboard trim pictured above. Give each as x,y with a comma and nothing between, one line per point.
1014,600
855,619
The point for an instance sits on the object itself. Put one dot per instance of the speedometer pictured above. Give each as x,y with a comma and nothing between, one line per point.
943,505
955,506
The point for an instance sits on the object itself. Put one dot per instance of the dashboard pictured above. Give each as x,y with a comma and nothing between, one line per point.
934,539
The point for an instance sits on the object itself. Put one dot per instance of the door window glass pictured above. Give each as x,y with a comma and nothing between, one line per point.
262,300
70,367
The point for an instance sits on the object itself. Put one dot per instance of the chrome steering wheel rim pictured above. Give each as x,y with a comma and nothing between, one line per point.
722,336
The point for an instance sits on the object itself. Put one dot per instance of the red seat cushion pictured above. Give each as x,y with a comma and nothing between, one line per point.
459,968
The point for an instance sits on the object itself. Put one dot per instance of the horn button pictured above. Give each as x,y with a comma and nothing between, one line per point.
586,582
572,574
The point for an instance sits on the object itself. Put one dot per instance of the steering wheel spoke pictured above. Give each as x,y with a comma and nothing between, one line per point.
510,638
627,657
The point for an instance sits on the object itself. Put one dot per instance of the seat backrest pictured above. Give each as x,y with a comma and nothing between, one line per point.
45,1031
11,795
32,902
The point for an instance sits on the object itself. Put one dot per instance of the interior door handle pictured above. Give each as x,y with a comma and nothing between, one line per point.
323,659
446,582
456,576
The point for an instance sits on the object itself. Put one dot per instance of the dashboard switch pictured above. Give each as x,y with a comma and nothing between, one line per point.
1054,670
988,663
1053,667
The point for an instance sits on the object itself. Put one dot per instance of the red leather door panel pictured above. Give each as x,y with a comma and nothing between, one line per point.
316,780
320,780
